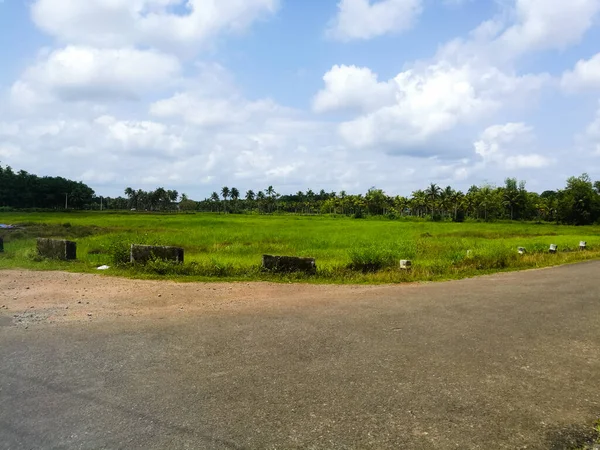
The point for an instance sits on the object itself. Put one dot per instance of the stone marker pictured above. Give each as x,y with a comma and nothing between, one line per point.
522,250
553,248
582,245
57,249
405,264
141,254
1,245
287,264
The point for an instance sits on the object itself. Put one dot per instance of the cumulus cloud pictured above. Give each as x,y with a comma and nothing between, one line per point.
76,73
161,23
352,88
585,75
548,24
420,103
502,145
366,19
208,111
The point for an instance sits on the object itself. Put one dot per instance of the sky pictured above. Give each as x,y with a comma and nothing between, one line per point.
338,95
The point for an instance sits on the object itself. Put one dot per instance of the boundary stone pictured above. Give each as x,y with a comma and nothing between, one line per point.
141,254
288,264
57,249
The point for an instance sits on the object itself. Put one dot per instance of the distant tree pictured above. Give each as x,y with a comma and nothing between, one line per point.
433,193
214,197
235,195
578,203
225,193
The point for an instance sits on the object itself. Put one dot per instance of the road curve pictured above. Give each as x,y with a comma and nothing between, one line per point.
504,361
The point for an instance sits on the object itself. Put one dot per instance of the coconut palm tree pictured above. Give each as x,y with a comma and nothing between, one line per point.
433,193
235,195
225,193
216,199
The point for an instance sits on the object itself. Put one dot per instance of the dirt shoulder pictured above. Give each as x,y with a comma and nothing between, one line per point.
57,297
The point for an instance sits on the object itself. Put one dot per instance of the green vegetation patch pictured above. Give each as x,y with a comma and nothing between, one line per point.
230,247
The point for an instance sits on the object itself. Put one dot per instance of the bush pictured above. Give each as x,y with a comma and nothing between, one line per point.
460,216
119,249
359,214
370,259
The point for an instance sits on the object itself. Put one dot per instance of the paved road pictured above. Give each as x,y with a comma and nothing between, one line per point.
505,361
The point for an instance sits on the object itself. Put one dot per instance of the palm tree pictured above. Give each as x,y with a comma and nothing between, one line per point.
272,195
446,199
215,198
235,195
133,197
225,193
419,202
433,193
260,197
457,199
250,196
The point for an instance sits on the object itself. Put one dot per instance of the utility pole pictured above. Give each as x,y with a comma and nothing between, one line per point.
66,201
100,203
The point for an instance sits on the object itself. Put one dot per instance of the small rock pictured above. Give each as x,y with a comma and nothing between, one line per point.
27,287
14,298
89,314
79,302
67,307
32,307
160,295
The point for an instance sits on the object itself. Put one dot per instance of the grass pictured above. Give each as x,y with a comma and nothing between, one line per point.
347,250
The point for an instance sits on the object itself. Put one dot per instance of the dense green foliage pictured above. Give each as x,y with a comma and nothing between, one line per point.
578,203
230,246
23,190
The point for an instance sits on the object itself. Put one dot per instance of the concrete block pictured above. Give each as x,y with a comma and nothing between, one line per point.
57,249
141,254
287,264
582,245
553,248
405,264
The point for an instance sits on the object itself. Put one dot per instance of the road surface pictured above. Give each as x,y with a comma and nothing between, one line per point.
504,361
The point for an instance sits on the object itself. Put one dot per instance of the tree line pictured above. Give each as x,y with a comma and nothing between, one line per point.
20,190
577,203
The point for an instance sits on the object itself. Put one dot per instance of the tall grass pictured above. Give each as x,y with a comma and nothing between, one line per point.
347,250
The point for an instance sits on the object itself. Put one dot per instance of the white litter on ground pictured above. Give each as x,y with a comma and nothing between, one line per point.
103,267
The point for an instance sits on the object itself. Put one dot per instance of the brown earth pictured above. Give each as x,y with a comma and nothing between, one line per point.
504,361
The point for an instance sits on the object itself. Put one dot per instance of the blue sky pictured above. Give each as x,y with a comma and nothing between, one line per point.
323,94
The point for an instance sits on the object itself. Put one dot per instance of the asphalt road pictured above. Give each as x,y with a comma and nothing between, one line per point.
506,361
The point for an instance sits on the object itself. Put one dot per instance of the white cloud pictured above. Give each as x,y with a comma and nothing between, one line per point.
352,88
207,111
502,145
426,101
585,75
141,136
77,73
548,24
365,19
146,22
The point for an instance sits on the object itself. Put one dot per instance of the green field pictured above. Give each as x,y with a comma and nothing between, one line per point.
229,247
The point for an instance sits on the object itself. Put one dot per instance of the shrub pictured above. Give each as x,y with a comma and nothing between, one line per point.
370,259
